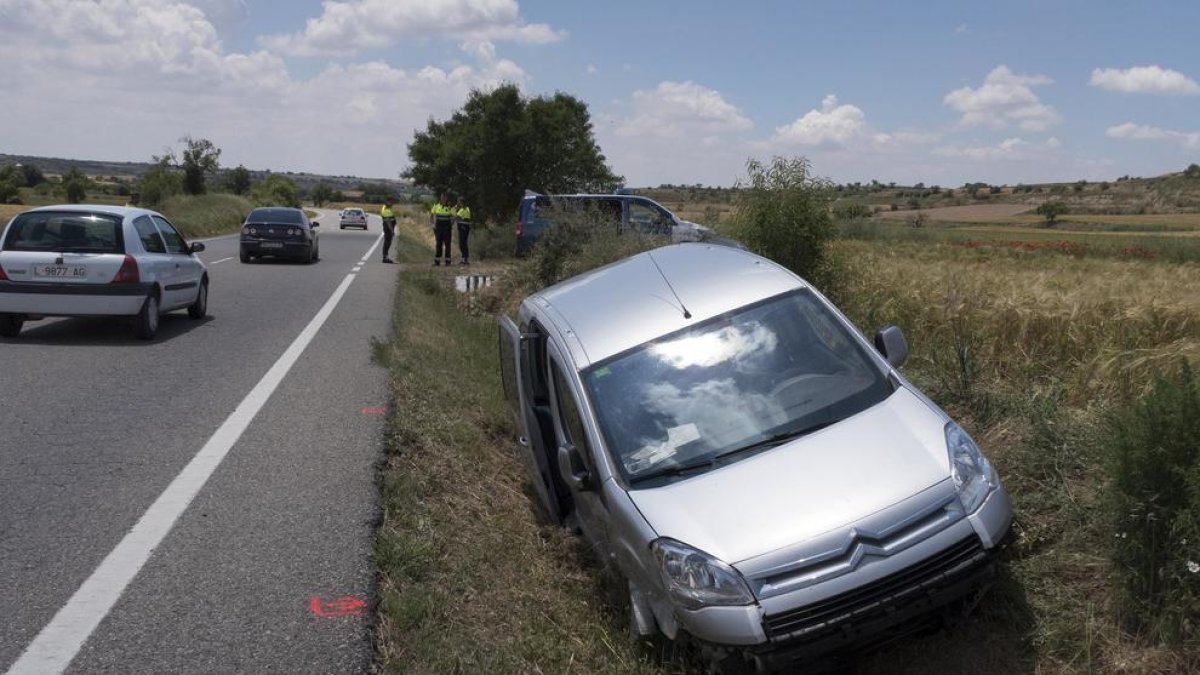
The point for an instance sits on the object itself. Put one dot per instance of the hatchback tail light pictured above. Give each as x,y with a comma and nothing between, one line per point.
3,276
128,274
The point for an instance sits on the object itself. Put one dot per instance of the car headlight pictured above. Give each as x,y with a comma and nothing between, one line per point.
695,579
970,469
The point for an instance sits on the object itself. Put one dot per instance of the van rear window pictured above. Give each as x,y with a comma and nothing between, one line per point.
65,231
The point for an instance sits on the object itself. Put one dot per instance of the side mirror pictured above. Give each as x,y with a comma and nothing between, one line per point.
196,247
571,467
313,223
890,342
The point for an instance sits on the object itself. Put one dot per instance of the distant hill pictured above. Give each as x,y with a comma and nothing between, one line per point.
108,171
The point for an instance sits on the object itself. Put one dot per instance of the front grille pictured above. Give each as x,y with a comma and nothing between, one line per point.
881,596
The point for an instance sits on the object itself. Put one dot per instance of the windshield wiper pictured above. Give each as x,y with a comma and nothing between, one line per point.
714,461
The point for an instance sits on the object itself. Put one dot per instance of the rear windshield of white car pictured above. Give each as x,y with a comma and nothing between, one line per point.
733,386
62,231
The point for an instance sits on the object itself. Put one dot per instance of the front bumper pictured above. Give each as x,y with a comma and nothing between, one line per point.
883,598
290,249
62,299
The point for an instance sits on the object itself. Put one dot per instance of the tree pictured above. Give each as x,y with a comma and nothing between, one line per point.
500,144
782,212
32,175
75,185
238,180
276,190
11,181
321,193
159,182
1193,171
200,159
1051,211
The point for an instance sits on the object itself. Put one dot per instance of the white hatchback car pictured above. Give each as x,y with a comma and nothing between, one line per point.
95,260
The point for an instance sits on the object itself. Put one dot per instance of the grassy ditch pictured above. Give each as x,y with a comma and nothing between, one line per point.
1034,355
206,215
470,580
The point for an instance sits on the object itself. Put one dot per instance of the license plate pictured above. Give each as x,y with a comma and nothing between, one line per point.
60,271
272,244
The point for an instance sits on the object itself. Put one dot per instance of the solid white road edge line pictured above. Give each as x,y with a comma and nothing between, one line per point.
57,644
372,249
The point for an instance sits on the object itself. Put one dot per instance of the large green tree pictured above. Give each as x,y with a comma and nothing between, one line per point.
501,143
200,160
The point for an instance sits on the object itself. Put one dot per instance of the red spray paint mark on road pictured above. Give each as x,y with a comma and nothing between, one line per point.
374,410
345,606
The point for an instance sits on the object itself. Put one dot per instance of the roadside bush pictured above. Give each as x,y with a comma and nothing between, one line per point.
492,243
852,211
160,183
1154,470
75,185
205,215
781,211
276,190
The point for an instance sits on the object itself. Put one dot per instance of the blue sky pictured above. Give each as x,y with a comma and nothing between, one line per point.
938,92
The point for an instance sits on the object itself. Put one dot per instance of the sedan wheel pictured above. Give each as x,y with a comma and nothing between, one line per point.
10,325
145,324
244,257
199,308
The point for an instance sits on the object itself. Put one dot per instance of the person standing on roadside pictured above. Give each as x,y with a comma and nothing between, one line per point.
442,218
462,216
388,214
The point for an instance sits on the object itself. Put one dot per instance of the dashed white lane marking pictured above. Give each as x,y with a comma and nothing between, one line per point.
217,262
57,644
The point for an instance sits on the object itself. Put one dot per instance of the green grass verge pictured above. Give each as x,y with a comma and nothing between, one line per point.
470,580
206,215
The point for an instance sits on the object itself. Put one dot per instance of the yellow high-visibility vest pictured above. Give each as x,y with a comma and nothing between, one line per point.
464,214
386,212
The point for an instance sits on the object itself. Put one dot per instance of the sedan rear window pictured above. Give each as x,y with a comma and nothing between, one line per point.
276,216
65,231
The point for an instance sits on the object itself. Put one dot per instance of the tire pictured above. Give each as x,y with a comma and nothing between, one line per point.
314,255
145,324
244,256
342,227
10,325
199,308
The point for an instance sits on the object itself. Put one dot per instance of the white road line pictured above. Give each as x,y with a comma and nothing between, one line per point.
372,249
217,262
57,644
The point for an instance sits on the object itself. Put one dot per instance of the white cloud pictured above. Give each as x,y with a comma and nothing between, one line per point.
1144,80
347,26
1009,149
120,79
1005,97
833,124
682,110
1141,132
592,69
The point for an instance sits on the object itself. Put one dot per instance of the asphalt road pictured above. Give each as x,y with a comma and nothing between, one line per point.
268,569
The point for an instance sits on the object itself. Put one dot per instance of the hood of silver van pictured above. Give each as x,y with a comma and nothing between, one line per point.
810,486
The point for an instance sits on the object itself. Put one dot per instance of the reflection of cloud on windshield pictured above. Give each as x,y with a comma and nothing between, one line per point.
723,413
715,347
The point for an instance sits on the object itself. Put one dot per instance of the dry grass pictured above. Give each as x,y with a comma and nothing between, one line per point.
973,213
1030,353
470,580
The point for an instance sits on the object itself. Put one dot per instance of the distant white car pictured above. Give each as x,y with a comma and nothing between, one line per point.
353,218
98,260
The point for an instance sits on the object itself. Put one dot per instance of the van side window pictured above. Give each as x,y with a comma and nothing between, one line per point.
569,418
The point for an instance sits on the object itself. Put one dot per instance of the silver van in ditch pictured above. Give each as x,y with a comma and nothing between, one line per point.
760,473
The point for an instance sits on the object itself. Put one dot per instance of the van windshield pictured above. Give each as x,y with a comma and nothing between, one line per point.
731,387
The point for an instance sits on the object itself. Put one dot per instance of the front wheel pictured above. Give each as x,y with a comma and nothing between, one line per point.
10,325
199,308
145,324
244,256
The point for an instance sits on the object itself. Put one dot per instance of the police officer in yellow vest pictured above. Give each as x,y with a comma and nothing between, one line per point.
462,216
442,217
388,214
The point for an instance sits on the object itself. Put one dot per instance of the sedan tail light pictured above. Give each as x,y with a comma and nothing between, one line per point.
3,276
520,229
128,274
